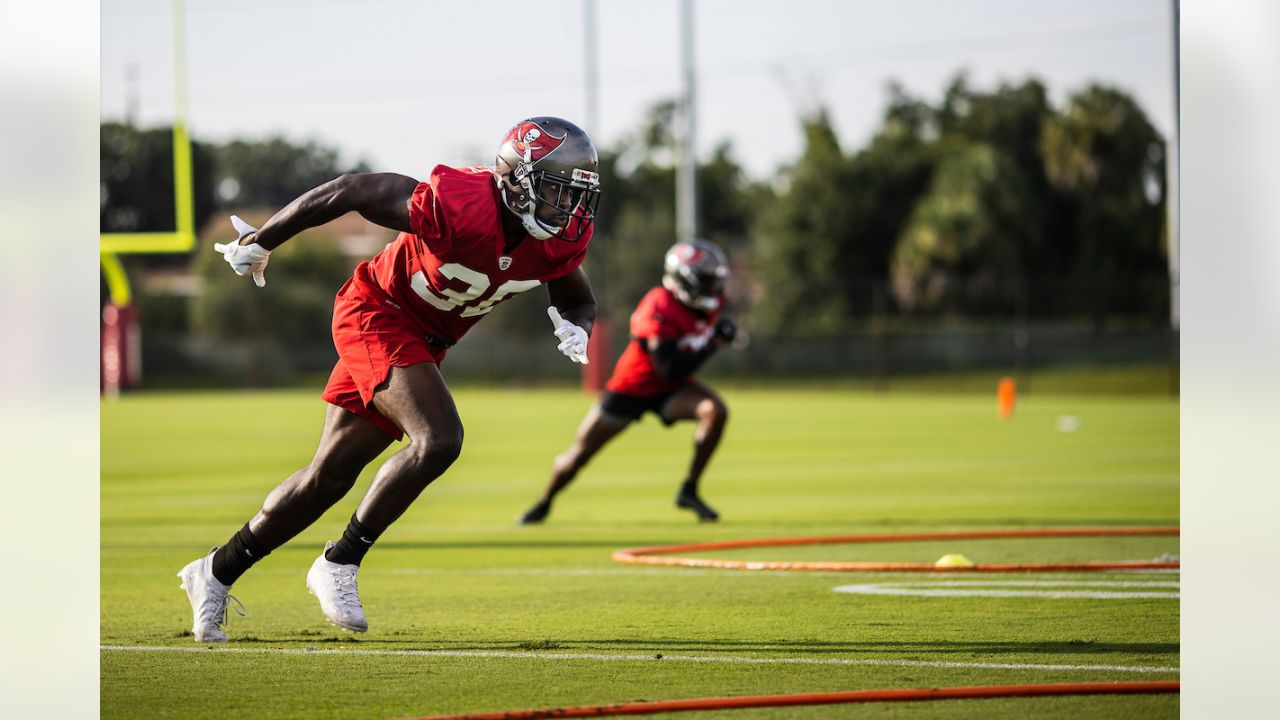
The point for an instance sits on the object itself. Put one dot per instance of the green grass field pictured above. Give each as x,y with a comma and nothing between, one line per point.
469,612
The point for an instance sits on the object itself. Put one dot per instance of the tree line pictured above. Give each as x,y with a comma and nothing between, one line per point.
982,203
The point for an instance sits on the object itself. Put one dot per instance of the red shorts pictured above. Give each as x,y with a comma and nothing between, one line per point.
371,337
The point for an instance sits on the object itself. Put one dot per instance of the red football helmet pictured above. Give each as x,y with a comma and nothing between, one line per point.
696,273
549,162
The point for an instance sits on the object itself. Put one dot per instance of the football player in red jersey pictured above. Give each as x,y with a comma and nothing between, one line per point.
469,239
674,329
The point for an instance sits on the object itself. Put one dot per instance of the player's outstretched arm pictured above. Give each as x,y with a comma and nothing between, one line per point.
382,198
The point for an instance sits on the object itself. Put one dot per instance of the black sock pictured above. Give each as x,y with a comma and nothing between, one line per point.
689,487
239,554
354,543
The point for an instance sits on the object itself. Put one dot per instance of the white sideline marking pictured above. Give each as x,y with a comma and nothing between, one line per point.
984,588
371,572
642,658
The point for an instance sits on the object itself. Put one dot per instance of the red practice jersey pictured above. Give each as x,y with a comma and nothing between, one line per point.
659,315
451,270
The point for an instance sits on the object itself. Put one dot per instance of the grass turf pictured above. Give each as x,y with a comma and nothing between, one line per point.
501,605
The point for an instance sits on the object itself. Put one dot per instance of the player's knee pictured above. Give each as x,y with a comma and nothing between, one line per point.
438,449
573,459
340,464
331,477
563,461
714,411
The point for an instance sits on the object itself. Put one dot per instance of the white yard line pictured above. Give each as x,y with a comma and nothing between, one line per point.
995,583
501,654
984,590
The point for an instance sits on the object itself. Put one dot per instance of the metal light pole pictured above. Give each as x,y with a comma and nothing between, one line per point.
686,177
1172,159
591,69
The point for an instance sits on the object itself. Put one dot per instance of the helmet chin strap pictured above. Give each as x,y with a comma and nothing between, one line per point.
533,227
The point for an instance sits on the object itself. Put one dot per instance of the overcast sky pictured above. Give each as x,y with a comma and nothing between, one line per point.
405,84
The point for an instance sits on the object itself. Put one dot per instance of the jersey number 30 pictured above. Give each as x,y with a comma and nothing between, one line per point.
477,284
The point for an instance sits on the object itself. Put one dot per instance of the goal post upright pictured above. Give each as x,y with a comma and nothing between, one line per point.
183,237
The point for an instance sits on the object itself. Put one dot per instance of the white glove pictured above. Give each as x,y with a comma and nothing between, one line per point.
248,259
573,339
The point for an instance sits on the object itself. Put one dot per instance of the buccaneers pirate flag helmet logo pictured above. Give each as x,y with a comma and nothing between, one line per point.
531,142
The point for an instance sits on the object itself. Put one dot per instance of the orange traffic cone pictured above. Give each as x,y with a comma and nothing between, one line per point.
1006,394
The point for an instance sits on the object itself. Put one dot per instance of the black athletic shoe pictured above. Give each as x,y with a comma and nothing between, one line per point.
691,501
536,514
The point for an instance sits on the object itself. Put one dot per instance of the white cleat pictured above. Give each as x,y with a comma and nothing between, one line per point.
334,586
208,599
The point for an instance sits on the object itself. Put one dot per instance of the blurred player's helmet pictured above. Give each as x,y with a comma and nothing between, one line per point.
696,272
549,162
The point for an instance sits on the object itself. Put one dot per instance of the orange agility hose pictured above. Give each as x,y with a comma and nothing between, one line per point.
646,555
830,698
